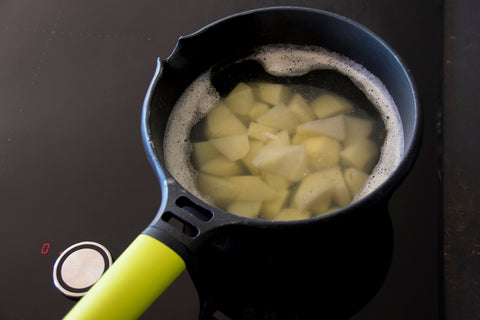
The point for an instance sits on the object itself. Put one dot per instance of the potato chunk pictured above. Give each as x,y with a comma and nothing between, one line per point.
203,152
252,188
247,209
290,214
221,122
279,117
255,147
300,108
272,207
357,129
341,193
219,190
261,132
328,105
257,110
314,193
233,147
272,93
276,181
221,166
241,99
322,152
333,127
361,155
331,209
355,179
288,161
282,138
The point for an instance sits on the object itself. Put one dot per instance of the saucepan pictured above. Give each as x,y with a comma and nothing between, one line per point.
186,228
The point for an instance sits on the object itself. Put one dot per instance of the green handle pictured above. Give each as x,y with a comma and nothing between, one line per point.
132,283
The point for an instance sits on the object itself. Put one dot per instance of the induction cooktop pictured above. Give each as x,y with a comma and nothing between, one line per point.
73,171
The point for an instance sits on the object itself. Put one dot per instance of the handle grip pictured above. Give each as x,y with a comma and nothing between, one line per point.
138,277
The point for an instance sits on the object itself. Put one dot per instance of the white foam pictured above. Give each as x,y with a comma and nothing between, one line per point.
283,60
193,105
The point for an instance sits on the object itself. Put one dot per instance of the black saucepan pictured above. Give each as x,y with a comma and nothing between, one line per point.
189,232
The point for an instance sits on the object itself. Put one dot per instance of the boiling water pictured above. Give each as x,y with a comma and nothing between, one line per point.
284,62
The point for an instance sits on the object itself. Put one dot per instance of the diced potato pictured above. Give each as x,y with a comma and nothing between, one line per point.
279,117
218,189
331,209
328,105
261,132
272,207
255,147
247,209
282,138
276,181
361,155
222,166
290,214
203,152
288,161
357,129
257,110
322,152
333,127
233,147
252,188
355,179
300,108
221,122
299,138
241,99
341,193
272,93
314,193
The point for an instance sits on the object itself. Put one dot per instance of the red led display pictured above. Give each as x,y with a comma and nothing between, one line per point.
45,248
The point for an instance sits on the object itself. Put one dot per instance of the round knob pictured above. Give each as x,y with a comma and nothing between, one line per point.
79,267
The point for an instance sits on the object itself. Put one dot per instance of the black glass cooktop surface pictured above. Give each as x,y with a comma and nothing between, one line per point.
73,76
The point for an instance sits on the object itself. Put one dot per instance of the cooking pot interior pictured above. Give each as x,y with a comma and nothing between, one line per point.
235,38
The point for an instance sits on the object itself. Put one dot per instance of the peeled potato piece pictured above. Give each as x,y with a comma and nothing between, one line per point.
233,147
300,108
333,127
221,122
355,179
276,181
282,138
322,152
247,209
252,188
299,138
290,214
314,193
331,209
279,117
328,105
341,193
272,93
361,155
272,207
288,161
258,108
255,147
203,152
219,189
241,99
357,129
221,166
261,132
